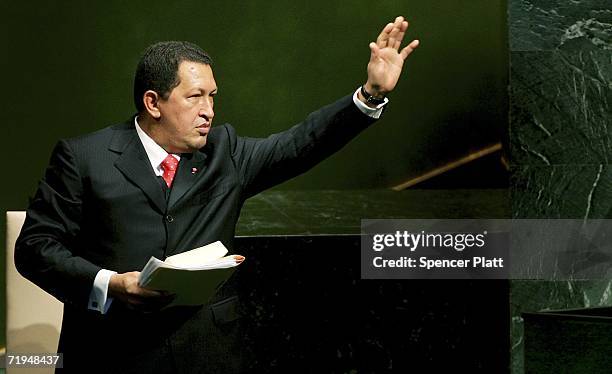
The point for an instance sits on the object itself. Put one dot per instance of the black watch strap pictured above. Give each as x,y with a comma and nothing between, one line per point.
371,99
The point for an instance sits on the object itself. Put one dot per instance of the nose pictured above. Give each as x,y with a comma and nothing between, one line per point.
206,109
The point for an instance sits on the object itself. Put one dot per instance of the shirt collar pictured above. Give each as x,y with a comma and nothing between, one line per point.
155,152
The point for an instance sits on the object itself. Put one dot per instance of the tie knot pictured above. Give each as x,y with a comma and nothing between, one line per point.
169,165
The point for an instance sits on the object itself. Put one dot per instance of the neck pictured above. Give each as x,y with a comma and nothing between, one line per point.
152,128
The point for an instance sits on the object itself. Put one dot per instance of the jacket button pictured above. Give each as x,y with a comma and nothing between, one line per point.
169,218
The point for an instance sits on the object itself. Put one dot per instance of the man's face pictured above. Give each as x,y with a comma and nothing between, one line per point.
187,114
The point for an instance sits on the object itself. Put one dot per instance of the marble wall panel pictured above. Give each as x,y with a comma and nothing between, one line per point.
561,191
537,25
561,107
557,191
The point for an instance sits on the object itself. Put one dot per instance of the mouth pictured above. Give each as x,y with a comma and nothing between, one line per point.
203,129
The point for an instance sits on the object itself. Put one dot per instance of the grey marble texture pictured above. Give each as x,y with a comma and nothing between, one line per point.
537,25
560,135
279,212
561,107
557,191
561,191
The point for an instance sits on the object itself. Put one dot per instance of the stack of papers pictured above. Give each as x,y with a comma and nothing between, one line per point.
193,276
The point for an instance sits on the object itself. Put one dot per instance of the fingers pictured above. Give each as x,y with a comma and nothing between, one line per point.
399,37
147,293
383,37
125,287
148,305
134,290
146,299
392,34
409,48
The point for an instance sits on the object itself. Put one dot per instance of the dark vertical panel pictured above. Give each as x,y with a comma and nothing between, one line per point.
559,131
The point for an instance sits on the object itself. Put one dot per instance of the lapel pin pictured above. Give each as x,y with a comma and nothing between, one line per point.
194,170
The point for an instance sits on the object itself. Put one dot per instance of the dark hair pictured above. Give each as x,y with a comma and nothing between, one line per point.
157,69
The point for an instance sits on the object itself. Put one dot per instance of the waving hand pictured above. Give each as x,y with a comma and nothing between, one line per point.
386,58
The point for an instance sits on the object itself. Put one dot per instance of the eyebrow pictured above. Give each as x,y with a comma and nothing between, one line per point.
199,90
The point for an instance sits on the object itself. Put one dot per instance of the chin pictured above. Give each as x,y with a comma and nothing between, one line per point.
198,145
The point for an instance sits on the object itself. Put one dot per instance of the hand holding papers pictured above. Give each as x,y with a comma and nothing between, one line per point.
193,276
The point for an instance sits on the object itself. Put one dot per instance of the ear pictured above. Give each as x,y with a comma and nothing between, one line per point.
151,103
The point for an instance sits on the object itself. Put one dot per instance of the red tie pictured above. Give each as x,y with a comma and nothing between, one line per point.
169,166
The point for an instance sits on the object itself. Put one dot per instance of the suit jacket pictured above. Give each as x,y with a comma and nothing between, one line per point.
100,205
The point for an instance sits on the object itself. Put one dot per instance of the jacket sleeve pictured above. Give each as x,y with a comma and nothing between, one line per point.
263,163
45,251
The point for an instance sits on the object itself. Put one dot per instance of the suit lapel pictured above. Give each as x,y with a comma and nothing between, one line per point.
134,164
189,167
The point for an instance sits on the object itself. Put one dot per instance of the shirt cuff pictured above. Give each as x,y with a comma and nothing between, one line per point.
372,112
98,299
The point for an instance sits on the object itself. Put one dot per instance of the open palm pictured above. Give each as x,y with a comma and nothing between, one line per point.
386,58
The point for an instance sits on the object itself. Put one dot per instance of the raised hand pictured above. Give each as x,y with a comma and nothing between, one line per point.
386,58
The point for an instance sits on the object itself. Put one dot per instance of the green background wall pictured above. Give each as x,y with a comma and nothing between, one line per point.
68,68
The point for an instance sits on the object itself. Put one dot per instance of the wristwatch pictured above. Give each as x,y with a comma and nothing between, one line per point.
371,99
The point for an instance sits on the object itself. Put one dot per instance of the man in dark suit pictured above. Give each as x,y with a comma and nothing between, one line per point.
162,183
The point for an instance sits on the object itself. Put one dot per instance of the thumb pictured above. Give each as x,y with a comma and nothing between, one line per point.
374,50
409,49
